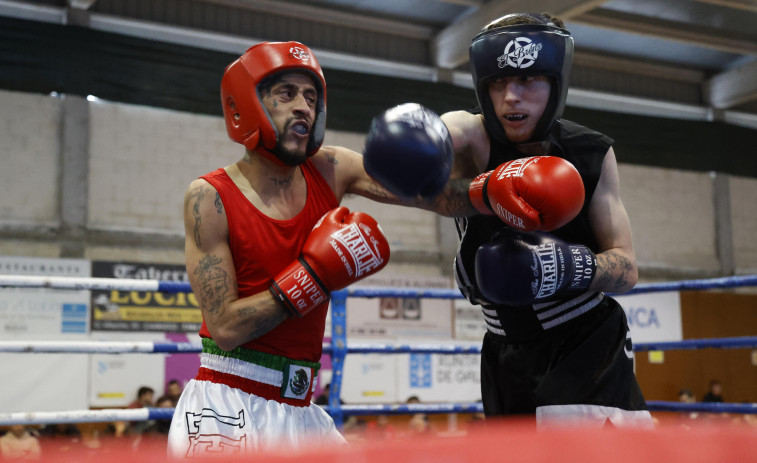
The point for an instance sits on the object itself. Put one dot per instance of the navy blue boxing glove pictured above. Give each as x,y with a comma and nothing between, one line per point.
519,268
409,151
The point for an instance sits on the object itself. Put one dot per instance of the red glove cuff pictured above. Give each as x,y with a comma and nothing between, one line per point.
477,194
299,289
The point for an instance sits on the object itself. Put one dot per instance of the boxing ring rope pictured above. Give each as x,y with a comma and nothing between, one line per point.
338,348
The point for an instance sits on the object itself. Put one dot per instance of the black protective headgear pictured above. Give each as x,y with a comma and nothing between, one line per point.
522,50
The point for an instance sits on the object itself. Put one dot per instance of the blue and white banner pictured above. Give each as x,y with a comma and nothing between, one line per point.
653,317
43,314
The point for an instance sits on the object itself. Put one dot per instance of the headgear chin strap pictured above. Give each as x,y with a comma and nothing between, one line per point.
247,120
521,50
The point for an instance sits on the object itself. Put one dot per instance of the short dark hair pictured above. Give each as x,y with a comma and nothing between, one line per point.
145,390
268,82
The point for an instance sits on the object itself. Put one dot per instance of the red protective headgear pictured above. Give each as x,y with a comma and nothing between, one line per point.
247,120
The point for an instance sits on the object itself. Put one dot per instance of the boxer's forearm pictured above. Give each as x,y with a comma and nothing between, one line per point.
616,272
453,201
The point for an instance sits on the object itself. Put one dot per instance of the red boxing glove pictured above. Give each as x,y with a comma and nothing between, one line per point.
342,249
536,193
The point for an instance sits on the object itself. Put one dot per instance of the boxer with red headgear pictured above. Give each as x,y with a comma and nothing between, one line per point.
244,86
266,242
557,346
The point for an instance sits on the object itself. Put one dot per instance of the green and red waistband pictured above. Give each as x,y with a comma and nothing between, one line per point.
265,375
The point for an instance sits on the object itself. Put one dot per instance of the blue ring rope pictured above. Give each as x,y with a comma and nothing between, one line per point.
339,298
96,347
712,407
477,407
707,283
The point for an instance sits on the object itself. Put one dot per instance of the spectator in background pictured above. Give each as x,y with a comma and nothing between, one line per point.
161,426
323,399
419,423
715,394
173,391
20,444
60,437
380,429
687,397
145,397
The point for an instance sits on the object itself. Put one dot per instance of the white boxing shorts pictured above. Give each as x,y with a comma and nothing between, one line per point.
246,401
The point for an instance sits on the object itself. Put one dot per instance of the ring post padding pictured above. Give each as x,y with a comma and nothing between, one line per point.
338,354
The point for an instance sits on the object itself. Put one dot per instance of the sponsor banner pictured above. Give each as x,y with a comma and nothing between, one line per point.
43,313
370,378
441,378
380,378
469,321
143,310
400,318
653,317
49,315
115,379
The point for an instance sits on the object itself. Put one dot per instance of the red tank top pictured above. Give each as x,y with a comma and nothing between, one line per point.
262,247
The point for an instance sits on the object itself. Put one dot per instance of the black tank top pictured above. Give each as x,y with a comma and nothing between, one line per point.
586,150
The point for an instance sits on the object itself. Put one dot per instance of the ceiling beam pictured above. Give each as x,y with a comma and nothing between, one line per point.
589,59
746,5
646,107
43,13
667,30
332,16
238,44
733,87
451,44
81,4
476,3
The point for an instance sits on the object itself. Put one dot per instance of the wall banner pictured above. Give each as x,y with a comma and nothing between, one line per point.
140,310
653,317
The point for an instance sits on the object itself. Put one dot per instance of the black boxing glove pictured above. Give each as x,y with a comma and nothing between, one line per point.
518,268
408,150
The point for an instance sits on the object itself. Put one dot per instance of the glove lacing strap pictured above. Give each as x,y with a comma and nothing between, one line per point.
279,295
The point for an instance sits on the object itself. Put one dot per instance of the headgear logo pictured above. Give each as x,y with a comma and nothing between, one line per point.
520,53
299,53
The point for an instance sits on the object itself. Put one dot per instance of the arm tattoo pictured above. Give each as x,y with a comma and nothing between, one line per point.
453,201
214,285
264,322
612,270
377,190
332,159
198,195
219,204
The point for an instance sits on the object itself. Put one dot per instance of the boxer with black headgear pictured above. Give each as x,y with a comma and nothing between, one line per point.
557,347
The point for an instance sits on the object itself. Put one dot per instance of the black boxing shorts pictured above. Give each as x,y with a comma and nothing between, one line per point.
578,374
